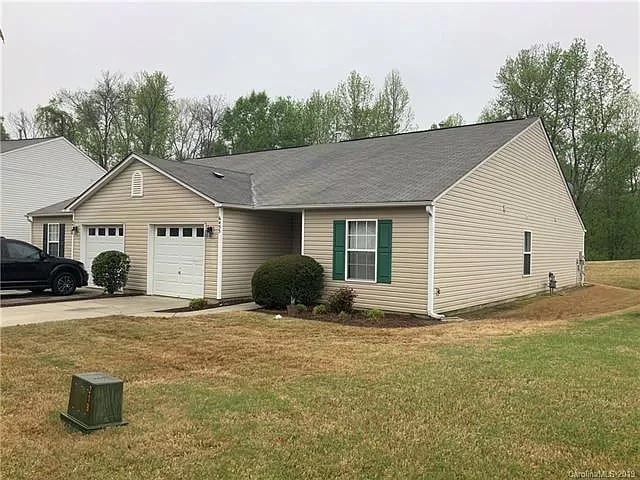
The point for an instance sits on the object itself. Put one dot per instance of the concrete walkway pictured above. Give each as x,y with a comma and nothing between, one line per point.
142,306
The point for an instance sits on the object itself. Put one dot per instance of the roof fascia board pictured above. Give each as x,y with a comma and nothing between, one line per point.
107,178
489,157
32,145
564,180
340,205
59,214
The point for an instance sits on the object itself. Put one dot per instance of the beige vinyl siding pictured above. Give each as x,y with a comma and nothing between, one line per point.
163,202
407,291
36,232
250,237
480,226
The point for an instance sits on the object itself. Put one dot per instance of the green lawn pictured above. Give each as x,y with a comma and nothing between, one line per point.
247,396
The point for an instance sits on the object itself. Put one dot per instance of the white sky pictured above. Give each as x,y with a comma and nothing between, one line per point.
447,53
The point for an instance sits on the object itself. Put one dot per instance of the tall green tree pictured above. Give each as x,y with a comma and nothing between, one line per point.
452,120
322,117
356,99
287,120
246,126
152,102
393,106
4,135
590,112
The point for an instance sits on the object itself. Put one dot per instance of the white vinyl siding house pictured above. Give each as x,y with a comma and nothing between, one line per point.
39,173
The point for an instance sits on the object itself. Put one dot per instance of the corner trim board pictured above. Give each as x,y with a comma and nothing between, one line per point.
431,264
220,247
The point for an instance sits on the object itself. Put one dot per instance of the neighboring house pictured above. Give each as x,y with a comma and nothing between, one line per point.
424,222
38,172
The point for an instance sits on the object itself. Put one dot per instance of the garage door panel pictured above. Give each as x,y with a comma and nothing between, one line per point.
178,261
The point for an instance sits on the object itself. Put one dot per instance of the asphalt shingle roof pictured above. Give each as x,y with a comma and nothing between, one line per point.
55,209
411,167
234,187
8,145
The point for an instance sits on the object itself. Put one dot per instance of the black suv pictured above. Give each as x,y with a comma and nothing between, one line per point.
25,267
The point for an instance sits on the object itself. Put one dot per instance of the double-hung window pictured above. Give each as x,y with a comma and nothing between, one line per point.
361,250
526,267
53,239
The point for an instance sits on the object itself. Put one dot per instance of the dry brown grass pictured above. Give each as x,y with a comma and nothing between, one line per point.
564,305
620,273
245,395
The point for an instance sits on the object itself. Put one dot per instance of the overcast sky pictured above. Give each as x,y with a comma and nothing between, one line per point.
447,54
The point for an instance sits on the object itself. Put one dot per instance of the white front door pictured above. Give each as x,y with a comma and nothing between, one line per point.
98,239
178,261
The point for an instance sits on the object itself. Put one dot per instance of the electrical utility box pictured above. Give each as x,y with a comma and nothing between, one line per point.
95,402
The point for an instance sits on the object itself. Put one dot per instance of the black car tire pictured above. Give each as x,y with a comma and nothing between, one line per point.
37,290
64,283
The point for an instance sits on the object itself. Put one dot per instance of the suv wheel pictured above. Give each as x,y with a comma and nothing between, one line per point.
64,283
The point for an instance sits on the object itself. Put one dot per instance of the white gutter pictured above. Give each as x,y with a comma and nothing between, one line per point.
302,235
220,243
431,264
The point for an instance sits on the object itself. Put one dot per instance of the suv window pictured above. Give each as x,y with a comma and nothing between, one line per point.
21,251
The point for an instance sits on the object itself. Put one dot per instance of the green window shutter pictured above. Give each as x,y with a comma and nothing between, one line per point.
339,232
61,240
45,233
384,251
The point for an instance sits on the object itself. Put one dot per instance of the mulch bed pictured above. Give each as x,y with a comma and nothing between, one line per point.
360,319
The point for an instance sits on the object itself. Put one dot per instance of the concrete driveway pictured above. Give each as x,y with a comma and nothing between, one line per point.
99,307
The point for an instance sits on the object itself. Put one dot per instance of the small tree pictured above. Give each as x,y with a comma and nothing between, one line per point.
110,270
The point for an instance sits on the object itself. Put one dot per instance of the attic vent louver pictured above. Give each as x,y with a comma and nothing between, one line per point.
217,174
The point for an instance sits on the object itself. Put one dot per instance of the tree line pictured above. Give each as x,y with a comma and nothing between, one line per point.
584,98
592,116
119,115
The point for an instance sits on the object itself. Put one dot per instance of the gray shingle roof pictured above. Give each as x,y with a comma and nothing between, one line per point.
8,145
234,188
55,209
411,167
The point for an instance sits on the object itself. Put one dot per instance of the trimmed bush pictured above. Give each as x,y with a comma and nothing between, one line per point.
375,314
319,309
301,307
342,300
286,280
110,270
198,304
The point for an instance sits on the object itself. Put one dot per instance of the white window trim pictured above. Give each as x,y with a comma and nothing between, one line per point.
134,175
347,249
529,252
49,241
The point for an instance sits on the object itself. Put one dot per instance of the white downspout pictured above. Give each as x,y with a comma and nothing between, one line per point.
220,244
302,235
431,264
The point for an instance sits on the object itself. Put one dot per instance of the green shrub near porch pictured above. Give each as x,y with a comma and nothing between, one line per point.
288,279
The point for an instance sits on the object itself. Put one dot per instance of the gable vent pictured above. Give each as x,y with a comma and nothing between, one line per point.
217,174
136,184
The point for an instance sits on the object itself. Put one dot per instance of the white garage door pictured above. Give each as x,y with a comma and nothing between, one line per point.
178,261
100,238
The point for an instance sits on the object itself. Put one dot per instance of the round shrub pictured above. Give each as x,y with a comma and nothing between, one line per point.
342,300
319,309
375,314
285,280
198,304
110,270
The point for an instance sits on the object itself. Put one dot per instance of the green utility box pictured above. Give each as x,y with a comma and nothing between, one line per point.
95,402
